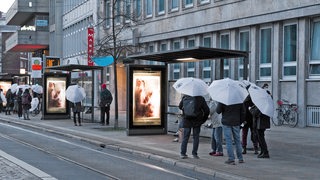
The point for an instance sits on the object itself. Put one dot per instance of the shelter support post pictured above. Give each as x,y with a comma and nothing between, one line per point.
245,68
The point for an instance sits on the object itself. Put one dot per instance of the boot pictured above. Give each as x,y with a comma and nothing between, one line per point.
256,150
244,150
264,155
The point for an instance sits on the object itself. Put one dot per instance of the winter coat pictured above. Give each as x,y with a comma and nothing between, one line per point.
105,98
260,121
214,116
232,115
26,100
188,123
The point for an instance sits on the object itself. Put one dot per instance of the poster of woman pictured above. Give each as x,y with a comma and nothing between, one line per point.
146,97
56,98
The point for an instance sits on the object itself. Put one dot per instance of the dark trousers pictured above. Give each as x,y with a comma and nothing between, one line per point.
75,114
245,131
262,140
19,110
105,110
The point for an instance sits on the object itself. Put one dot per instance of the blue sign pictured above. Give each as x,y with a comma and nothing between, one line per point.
41,22
103,61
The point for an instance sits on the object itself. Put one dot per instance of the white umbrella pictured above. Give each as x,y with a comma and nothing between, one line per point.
23,87
227,91
13,88
262,100
191,86
75,93
3,98
37,88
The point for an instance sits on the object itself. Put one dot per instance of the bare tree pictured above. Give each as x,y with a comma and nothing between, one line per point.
116,42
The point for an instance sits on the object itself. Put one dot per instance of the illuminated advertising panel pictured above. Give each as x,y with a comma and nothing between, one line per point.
55,102
147,99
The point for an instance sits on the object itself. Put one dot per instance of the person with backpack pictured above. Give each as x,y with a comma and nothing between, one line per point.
26,104
105,101
195,112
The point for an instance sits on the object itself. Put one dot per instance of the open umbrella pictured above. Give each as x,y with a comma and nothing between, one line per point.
75,93
227,91
23,87
13,87
262,100
191,86
37,88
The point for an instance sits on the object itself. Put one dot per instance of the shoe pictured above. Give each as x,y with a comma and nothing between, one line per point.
212,153
75,124
241,161
244,150
218,154
176,134
175,140
230,162
183,156
264,155
195,157
80,125
256,151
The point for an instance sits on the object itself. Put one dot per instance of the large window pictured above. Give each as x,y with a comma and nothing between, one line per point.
188,3
128,10
315,48
244,46
161,6
176,66
137,8
108,13
206,71
265,53
290,50
149,8
224,44
174,5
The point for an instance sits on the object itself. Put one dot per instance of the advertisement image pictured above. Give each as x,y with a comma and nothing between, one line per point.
56,97
147,98
5,85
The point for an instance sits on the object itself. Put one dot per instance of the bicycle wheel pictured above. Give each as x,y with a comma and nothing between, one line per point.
34,112
292,119
279,118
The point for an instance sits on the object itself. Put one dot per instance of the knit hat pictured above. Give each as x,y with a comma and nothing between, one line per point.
103,86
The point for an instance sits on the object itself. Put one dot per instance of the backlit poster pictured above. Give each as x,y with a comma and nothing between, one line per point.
56,97
146,97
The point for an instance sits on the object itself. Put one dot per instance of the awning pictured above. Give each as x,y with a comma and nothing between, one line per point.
190,55
74,67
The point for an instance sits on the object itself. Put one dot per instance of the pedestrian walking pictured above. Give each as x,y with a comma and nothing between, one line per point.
26,104
232,116
201,111
216,138
105,102
76,109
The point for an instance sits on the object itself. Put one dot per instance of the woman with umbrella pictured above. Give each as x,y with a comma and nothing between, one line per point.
75,94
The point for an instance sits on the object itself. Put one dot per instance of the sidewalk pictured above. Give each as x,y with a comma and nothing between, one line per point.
294,152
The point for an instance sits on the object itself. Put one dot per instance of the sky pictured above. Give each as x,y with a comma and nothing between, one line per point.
5,5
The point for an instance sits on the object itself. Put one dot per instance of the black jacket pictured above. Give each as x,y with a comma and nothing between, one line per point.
188,123
232,115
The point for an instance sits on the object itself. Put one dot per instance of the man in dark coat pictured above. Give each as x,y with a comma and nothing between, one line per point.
232,117
105,101
194,124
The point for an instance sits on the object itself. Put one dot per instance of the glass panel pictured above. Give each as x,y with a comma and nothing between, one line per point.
207,63
189,2
315,52
161,5
176,75
176,45
190,73
265,71
191,64
174,4
290,43
191,43
315,69
289,71
265,46
149,7
138,8
207,42
206,74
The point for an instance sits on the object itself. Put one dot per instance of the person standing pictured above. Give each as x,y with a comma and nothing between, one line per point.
202,110
1,101
216,138
9,105
76,109
232,116
248,124
26,104
105,101
19,103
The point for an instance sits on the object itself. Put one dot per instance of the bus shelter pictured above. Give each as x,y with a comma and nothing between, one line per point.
156,77
81,68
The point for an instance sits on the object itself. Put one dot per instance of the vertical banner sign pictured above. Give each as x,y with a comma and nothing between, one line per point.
36,67
90,45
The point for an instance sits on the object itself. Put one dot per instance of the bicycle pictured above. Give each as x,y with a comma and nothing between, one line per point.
35,109
287,114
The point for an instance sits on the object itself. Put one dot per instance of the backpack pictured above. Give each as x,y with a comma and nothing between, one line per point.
25,99
191,107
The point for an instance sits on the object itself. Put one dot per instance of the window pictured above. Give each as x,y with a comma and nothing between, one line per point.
206,74
265,52
290,50
174,5
118,11
224,44
148,8
315,46
244,46
108,14
128,10
188,3
163,47
191,65
176,66
138,8
160,6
